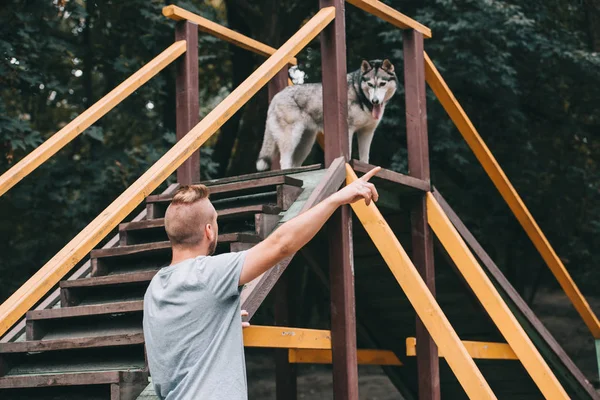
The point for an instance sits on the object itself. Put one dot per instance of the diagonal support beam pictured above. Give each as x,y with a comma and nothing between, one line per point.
541,337
253,295
492,301
510,195
421,298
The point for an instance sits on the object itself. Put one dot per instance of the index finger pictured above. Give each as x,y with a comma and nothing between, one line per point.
370,174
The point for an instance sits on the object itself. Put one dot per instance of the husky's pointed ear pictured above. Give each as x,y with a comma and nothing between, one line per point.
387,66
365,67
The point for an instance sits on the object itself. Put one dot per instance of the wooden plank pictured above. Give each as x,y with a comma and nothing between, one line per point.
55,269
71,379
510,195
264,174
477,350
365,357
134,277
392,176
421,298
285,337
187,98
388,14
285,371
237,188
85,311
73,343
490,299
254,294
221,32
61,138
339,226
555,355
422,240
276,85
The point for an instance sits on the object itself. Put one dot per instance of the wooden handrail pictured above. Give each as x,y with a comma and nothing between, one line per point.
492,302
221,32
63,137
510,195
55,269
388,14
417,292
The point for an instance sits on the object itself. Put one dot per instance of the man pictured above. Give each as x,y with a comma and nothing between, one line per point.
192,311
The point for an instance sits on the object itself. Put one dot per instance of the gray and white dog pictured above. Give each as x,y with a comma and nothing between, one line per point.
295,114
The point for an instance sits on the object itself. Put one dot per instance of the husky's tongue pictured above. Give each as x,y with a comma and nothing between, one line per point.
377,111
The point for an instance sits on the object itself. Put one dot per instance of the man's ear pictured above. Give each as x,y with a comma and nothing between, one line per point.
387,66
209,232
365,67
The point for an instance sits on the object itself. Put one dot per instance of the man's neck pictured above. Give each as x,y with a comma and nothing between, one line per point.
182,254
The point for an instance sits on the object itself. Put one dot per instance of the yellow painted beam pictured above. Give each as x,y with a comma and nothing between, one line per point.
479,350
323,356
421,298
510,195
63,137
287,338
388,14
54,270
212,28
491,300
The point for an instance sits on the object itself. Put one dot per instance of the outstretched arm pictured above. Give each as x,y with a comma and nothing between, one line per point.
294,234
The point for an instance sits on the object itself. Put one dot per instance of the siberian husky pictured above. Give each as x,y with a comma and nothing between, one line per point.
295,114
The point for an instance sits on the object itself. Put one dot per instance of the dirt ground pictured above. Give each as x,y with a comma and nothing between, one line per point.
315,381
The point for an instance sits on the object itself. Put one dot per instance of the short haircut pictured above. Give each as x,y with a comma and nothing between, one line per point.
187,215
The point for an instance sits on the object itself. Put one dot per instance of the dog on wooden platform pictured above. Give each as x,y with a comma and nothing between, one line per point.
295,115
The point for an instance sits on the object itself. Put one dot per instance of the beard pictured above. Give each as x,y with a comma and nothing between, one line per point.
212,247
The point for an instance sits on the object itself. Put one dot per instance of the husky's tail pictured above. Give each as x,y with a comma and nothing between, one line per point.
266,152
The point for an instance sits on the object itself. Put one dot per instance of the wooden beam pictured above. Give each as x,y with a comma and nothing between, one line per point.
339,226
212,28
392,176
287,338
477,350
285,371
510,195
63,137
187,98
365,357
55,269
276,85
388,14
421,298
428,365
490,299
255,292
542,338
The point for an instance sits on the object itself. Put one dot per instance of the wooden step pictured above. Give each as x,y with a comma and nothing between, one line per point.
152,256
60,322
113,385
260,218
134,336
105,289
281,189
265,174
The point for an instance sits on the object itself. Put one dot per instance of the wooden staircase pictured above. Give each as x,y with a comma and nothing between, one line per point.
92,346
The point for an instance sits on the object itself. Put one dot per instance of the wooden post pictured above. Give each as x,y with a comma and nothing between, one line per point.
422,239
285,372
276,85
341,258
187,97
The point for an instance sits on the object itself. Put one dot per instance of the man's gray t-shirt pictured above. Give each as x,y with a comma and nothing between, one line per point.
193,329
